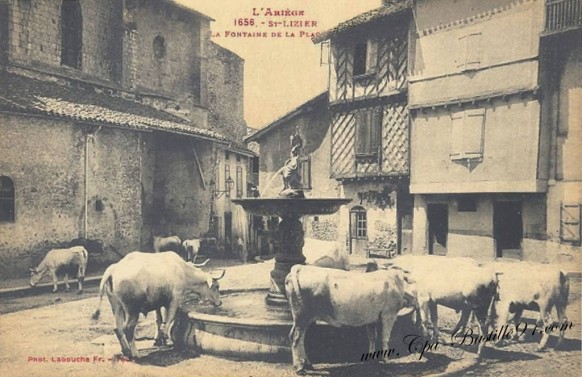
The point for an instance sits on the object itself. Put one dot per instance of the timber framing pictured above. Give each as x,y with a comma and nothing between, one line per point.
367,102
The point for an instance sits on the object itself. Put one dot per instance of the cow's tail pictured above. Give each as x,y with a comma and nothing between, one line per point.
295,292
105,279
564,290
83,265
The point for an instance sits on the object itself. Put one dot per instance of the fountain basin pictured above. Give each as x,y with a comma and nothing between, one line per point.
247,328
296,207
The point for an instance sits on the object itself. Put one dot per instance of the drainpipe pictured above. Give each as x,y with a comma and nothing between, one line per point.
86,190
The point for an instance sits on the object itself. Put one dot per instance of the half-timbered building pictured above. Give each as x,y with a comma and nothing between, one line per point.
368,93
495,98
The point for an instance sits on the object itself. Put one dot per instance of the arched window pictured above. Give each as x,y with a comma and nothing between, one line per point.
6,199
159,47
71,33
359,223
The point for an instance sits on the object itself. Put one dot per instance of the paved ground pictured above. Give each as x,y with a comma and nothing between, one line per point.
37,342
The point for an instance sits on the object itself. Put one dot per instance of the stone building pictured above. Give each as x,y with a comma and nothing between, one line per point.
311,122
112,116
495,92
368,93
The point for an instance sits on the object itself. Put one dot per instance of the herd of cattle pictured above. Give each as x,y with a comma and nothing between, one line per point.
493,292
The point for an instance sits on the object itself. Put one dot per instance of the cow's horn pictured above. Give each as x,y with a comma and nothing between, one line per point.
31,269
201,264
221,276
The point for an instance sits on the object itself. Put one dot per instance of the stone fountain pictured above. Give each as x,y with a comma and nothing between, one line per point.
254,324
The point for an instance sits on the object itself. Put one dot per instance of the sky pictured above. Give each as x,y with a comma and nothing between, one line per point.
283,72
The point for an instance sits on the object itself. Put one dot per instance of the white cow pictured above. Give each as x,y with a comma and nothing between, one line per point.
531,286
458,283
142,282
62,259
332,296
337,258
190,249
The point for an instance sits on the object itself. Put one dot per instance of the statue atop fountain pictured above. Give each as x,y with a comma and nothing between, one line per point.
292,186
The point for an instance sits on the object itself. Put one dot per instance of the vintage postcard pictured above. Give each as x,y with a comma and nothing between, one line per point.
290,187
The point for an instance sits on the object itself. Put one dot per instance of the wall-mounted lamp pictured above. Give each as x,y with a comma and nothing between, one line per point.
229,186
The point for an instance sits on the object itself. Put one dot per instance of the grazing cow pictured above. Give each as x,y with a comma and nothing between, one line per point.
142,282
65,260
458,283
172,243
190,249
531,286
330,295
92,246
337,258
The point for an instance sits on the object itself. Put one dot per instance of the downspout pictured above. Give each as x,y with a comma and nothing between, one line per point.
86,190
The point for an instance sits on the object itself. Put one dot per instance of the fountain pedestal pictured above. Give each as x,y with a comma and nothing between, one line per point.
289,237
289,241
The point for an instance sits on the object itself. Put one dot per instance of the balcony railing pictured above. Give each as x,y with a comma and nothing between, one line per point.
562,15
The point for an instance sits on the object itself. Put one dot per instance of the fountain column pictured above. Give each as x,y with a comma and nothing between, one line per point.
289,241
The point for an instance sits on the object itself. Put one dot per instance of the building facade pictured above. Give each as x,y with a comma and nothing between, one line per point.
107,116
495,135
368,95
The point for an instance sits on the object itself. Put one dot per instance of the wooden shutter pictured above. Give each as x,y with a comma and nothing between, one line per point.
469,52
457,135
473,133
372,55
375,130
461,52
473,57
362,133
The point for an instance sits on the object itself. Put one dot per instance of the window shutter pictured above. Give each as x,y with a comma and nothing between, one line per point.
469,52
457,134
372,55
375,131
362,133
473,58
473,133
462,52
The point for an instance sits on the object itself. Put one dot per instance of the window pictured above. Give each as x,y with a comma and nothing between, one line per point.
368,132
467,203
467,134
159,47
360,55
359,223
71,33
469,48
226,177
239,182
254,162
6,199
365,58
305,172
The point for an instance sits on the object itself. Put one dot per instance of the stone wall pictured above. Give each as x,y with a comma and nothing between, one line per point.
35,37
225,71
324,229
46,161
172,65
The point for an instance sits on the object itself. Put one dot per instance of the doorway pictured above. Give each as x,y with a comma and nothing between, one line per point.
508,229
228,232
438,228
358,230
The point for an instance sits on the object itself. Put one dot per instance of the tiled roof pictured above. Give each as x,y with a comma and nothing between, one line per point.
23,94
318,100
361,19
